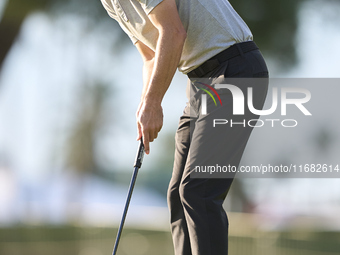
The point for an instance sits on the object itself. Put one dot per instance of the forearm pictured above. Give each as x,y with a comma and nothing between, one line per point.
147,72
167,56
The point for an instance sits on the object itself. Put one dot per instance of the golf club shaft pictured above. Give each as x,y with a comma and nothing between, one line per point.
137,165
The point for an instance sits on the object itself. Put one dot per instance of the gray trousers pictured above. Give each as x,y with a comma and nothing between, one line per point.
199,224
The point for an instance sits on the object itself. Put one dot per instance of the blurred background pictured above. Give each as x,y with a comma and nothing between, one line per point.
70,82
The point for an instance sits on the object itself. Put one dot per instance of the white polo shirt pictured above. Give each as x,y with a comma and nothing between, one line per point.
211,26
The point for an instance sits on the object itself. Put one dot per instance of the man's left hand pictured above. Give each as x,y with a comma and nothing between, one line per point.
149,123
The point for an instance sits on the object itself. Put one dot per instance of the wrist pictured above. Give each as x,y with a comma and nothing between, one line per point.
153,100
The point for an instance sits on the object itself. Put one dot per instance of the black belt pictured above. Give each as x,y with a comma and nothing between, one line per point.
215,61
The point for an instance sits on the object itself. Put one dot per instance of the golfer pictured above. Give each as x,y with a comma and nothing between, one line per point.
202,39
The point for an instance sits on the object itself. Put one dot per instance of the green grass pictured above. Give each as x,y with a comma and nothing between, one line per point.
69,240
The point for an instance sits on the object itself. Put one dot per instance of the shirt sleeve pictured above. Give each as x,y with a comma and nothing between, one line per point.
109,9
149,5
113,14
132,38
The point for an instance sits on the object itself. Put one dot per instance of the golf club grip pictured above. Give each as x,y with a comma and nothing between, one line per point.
140,155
